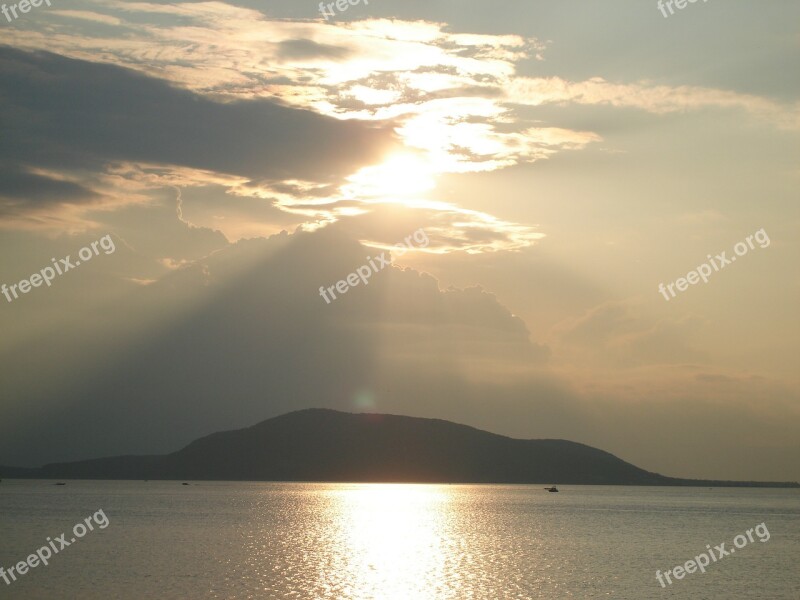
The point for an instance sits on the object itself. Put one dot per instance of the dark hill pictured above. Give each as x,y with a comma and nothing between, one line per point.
327,445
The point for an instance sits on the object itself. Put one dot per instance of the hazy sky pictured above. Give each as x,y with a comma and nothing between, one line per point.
563,159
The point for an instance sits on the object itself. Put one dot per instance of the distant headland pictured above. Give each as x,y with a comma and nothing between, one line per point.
332,446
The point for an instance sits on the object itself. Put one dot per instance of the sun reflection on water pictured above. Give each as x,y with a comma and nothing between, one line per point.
344,541
392,540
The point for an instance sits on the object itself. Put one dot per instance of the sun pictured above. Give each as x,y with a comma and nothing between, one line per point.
402,176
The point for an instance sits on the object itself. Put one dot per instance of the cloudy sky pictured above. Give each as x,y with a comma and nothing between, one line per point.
563,159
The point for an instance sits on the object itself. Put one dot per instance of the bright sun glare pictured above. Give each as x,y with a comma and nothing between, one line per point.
401,176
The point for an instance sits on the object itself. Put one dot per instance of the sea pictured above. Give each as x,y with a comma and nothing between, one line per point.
164,540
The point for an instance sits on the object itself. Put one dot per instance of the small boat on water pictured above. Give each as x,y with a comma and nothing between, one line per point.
552,489
60,483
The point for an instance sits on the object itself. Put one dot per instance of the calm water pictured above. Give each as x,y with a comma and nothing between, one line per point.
308,541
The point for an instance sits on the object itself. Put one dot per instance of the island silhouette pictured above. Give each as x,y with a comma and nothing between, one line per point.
331,446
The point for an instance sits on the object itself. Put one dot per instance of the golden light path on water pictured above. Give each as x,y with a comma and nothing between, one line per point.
393,537
358,541
345,541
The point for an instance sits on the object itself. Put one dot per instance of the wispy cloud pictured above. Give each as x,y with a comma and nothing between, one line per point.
656,99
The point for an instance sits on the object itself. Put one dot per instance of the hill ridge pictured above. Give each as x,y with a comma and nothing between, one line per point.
321,444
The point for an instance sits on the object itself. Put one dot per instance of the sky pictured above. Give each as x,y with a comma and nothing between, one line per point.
561,164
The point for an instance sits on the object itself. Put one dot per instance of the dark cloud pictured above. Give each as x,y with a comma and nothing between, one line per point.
19,186
64,114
